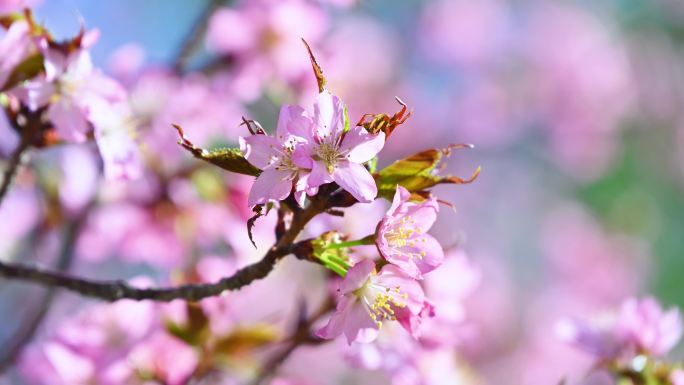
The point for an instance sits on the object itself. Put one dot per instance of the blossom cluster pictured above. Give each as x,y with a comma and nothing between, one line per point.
340,266
57,80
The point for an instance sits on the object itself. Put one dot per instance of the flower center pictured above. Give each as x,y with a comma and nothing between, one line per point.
329,154
282,158
381,301
402,234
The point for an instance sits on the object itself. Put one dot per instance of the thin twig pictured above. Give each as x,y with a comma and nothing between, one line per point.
119,289
28,133
29,326
194,38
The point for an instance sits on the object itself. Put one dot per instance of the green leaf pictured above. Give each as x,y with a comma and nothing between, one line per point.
230,159
418,172
28,69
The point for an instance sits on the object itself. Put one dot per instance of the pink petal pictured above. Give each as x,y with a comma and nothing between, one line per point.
270,185
434,254
400,196
328,114
35,94
354,178
357,276
362,146
68,120
55,64
301,156
424,214
319,174
259,150
293,120
104,87
335,325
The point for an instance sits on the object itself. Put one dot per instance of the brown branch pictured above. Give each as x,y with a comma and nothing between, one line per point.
29,326
119,289
194,38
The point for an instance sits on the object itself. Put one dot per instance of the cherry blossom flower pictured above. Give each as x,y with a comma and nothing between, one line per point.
402,239
69,88
274,156
334,155
649,327
640,327
367,299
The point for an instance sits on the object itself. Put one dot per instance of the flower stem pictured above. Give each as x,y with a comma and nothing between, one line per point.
368,240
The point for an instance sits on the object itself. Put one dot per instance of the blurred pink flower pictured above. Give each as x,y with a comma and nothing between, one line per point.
273,155
69,89
598,338
334,155
640,327
677,377
649,327
165,358
263,40
584,87
367,299
448,288
472,33
402,237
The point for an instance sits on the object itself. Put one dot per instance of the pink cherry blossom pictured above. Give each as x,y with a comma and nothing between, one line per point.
402,239
640,327
649,327
69,88
334,155
274,156
367,299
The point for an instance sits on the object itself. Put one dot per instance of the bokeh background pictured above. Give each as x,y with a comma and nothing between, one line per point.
575,108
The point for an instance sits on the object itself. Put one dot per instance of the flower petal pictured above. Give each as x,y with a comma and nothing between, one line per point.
359,326
354,178
319,174
270,185
335,325
361,145
68,120
328,114
357,276
294,120
259,150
